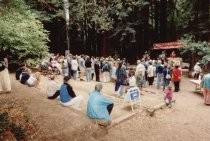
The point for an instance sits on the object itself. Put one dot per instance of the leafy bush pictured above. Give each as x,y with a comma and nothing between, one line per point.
20,31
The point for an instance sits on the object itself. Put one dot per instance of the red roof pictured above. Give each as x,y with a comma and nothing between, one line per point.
167,45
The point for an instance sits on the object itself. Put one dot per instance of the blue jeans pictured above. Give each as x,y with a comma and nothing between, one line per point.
159,79
74,74
121,89
88,74
165,83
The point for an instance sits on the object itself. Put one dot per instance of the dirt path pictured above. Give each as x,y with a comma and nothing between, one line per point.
188,119
54,122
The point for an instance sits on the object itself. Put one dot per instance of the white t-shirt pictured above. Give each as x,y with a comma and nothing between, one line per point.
140,68
197,69
132,81
151,71
74,65
52,87
31,81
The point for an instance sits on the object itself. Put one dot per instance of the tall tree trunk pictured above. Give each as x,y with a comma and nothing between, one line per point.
172,27
196,19
146,26
163,20
157,20
204,19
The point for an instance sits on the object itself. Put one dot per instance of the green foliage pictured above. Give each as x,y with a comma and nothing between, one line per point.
21,33
18,131
124,14
5,124
190,17
200,49
86,14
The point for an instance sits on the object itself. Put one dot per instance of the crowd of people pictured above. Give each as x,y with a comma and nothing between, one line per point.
92,68
159,73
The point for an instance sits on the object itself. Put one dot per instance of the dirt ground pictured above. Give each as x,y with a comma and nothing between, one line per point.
187,120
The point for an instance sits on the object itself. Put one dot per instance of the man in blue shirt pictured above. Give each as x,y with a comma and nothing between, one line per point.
98,106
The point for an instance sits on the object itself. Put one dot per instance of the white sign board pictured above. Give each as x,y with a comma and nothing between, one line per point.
132,96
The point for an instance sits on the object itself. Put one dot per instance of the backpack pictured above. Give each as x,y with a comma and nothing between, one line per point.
106,67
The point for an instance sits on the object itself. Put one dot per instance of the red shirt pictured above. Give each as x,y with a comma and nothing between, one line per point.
176,74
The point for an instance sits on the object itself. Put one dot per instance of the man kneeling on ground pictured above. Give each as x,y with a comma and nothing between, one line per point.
68,96
98,106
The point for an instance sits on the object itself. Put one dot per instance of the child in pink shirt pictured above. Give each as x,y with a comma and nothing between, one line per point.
168,96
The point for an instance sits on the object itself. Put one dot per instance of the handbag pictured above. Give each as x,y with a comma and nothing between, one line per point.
168,76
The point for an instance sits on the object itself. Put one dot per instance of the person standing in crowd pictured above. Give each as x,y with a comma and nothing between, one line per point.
88,66
113,71
176,77
150,73
5,83
68,96
205,84
97,69
99,107
131,79
197,70
92,67
159,73
68,56
120,82
106,71
74,67
166,76
173,54
162,56
81,62
64,66
140,74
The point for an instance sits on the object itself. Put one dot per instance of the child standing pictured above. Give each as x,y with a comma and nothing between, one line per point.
168,96
132,79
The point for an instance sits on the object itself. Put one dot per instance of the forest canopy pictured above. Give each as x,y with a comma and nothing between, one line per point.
99,27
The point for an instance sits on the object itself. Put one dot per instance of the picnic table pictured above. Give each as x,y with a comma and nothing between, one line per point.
197,85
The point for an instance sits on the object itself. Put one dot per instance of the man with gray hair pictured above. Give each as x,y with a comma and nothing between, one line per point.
98,106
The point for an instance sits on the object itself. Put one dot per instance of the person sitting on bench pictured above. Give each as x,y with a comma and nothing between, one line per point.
99,107
52,88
